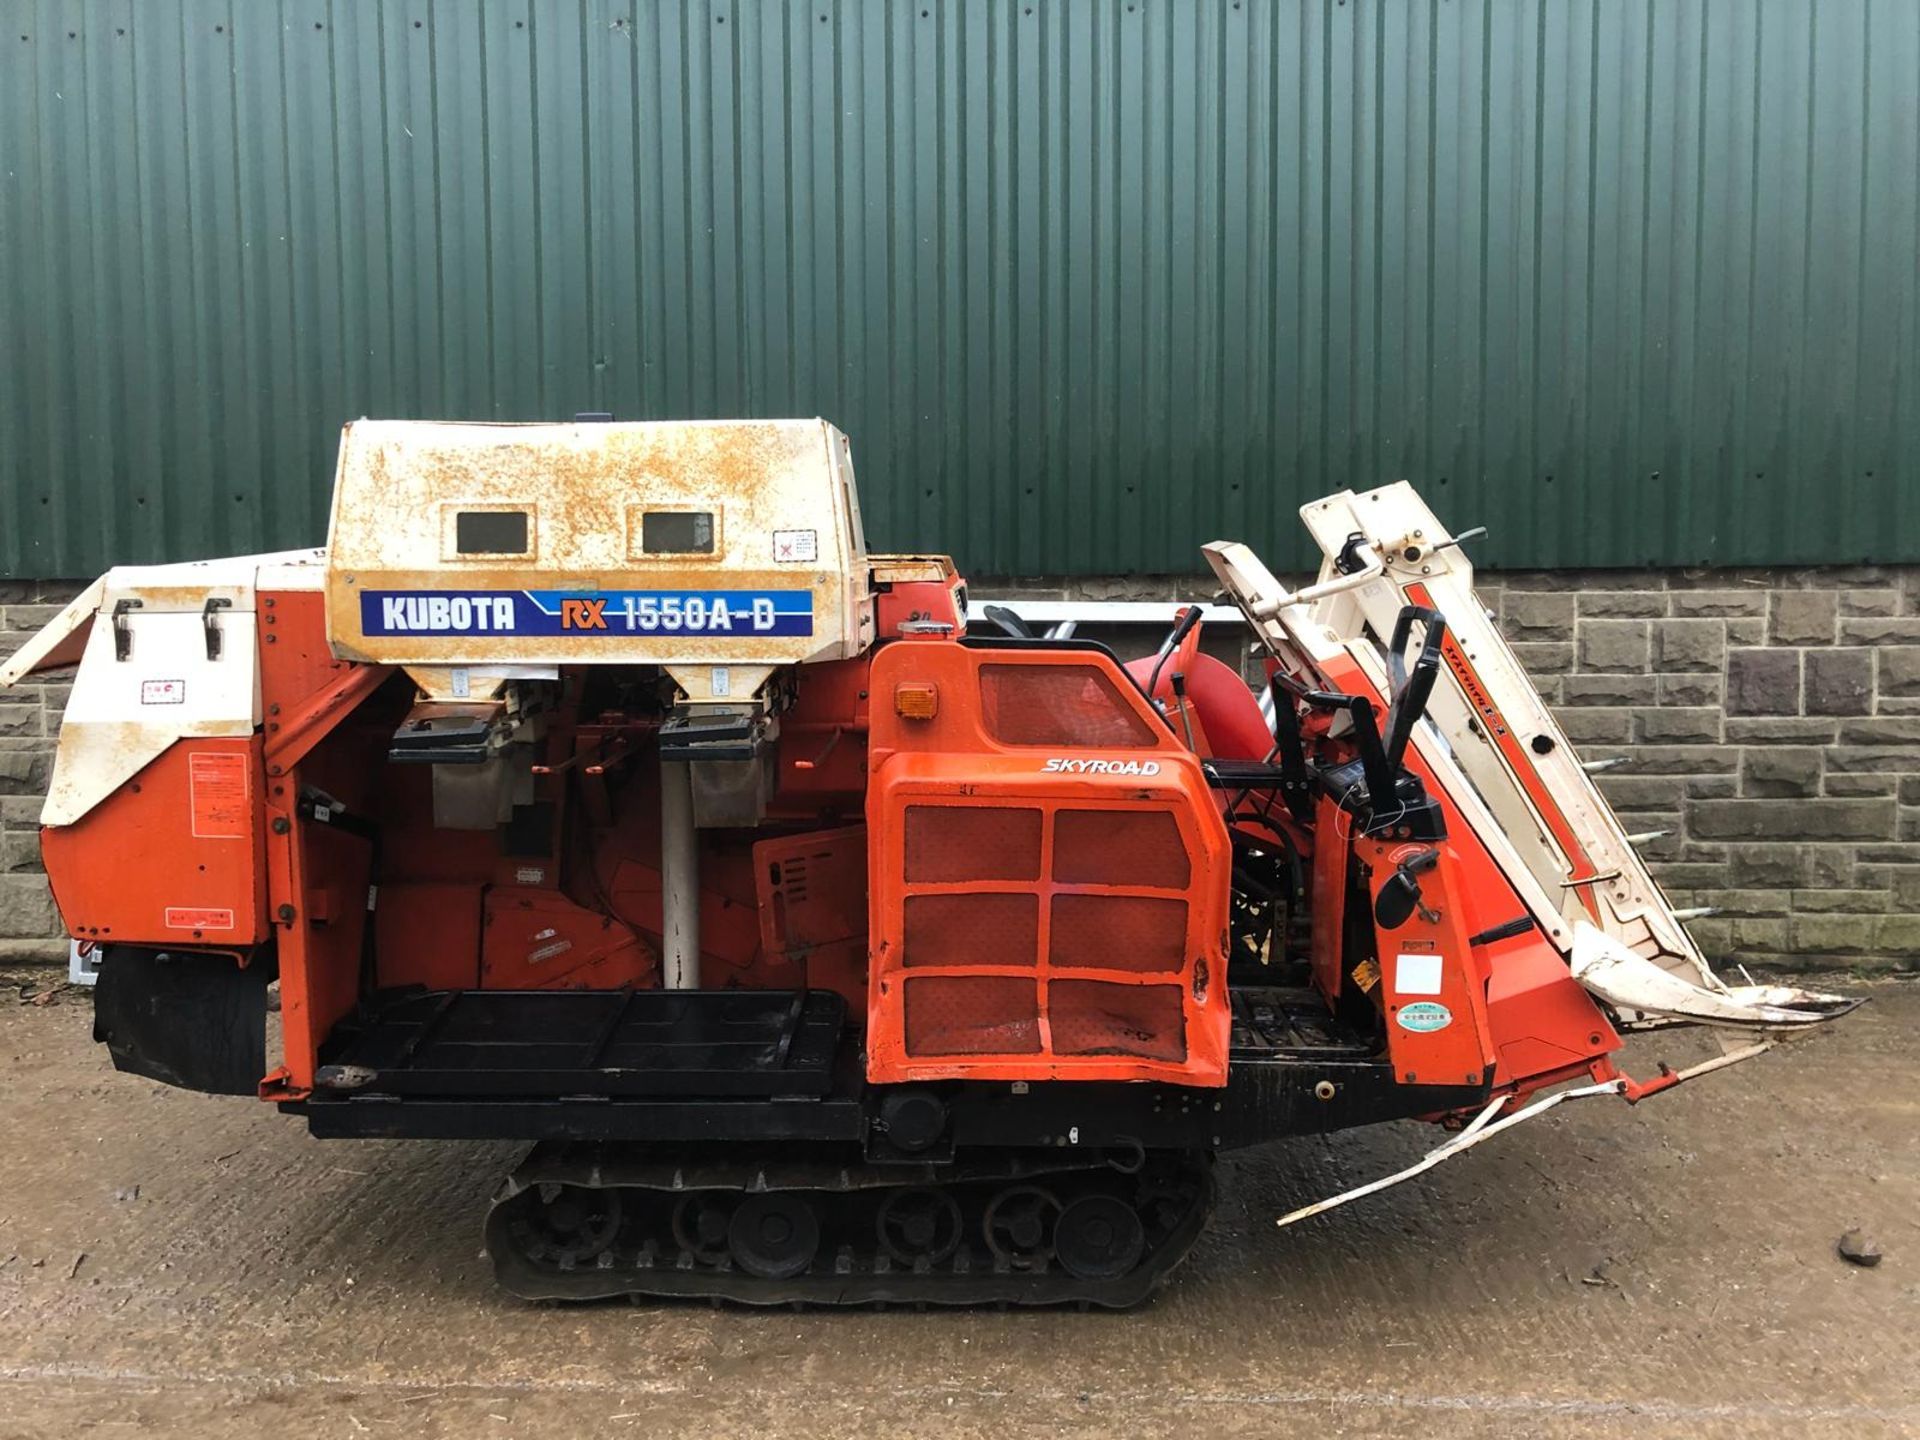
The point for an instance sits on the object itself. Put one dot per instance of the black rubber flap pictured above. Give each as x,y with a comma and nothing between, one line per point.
196,1021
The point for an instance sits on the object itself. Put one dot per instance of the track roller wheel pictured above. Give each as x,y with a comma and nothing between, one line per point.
921,1226
1099,1237
571,1224
700,1224
1019,1226
774,1236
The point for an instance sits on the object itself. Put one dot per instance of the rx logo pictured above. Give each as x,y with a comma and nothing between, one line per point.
583,614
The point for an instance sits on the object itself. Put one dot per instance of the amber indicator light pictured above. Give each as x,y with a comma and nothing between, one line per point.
916,701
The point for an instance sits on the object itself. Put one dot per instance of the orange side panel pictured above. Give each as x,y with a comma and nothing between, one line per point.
812,904
823,743
193,817
1048,877
1541,1019
429,934
318,880
316,877
1331,855
1557,1016
538,940
1433,989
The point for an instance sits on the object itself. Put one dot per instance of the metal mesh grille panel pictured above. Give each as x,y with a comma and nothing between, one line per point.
1095,1017
972,930
1058,705
1118,932
1119,847
972,1015
947,843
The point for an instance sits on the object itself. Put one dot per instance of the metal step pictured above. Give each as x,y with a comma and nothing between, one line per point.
1290,1023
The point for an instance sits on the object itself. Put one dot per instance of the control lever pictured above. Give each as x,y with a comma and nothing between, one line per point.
1400,897
1411,691
1189,618
1366,730
1289,743
1478,532
1180,700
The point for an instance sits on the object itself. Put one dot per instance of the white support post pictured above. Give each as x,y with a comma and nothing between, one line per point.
679,880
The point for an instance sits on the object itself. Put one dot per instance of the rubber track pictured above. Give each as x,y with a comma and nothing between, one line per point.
643,1258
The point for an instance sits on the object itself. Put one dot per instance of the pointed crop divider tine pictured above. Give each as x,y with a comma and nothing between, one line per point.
1647,837
1595,767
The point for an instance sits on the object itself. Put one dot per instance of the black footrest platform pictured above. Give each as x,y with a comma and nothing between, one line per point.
476,1044
1273,1023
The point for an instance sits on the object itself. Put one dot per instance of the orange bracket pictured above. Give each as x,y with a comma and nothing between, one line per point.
316,716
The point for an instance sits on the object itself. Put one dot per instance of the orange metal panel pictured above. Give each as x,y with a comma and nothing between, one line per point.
812,901
429,934
1433,990
991,824
1550,1011
316,878
193,817
538,940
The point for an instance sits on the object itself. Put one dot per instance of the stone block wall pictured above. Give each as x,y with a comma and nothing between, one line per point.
1770,721
29,724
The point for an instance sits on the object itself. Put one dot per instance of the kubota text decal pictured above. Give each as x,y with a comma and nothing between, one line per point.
747,613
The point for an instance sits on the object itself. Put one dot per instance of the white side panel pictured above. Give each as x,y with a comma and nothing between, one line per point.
59,641
123,714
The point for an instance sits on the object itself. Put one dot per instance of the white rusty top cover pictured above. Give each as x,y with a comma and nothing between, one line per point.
686,543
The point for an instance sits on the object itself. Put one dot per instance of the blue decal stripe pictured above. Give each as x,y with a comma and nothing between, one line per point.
717,614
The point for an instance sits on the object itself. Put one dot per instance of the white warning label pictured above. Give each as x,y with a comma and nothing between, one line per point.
163,692
796,547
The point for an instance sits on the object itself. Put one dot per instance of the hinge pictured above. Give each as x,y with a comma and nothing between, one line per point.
122,632
215,603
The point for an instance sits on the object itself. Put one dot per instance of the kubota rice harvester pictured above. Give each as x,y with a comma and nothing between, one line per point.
595,787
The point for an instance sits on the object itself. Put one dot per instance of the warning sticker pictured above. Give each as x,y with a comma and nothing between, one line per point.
1417,974
198,917
217,794
796,546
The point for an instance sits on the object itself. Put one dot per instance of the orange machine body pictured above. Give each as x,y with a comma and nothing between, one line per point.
1039,889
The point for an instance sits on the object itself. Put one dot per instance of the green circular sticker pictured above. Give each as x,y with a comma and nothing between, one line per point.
1424,1016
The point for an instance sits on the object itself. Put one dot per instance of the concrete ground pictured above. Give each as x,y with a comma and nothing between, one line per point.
1667,1270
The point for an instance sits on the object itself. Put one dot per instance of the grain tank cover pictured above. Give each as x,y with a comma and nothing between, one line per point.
688,544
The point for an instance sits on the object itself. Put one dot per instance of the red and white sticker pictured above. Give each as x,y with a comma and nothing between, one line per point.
794,547
163,692
198,917
218,794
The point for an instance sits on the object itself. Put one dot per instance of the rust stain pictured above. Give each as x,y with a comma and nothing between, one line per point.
585,487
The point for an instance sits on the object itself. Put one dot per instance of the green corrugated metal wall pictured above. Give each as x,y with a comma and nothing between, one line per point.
1632,281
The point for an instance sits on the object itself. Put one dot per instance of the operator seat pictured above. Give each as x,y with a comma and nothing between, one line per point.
1222,703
